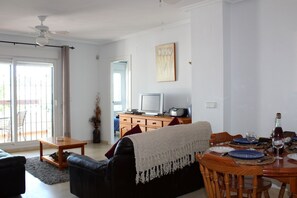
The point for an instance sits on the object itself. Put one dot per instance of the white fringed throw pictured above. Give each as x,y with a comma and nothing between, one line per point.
162,151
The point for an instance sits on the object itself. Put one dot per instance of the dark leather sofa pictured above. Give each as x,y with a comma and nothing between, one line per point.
116,177
12,174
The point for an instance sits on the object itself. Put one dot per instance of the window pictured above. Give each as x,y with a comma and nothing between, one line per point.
26,101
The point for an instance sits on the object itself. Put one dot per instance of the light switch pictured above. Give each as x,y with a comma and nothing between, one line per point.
211,105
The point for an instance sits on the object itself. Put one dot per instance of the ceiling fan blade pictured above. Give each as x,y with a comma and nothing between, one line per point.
170,1
33,28
59,32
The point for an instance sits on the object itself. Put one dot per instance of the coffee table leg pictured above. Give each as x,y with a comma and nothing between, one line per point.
60,158
83,150
41,151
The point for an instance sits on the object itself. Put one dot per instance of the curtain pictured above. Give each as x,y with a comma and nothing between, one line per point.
66,91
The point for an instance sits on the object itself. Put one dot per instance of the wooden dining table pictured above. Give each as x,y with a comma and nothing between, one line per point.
283,170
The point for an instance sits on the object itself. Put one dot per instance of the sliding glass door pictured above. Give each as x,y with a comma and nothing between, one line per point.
5,102
26,101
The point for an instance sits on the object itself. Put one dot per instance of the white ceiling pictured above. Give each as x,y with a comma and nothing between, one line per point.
97,21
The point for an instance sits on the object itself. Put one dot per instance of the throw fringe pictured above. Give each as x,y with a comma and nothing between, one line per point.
168,149
170,166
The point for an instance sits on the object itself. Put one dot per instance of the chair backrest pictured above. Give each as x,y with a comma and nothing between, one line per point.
289,134
21,118
218,173
222,138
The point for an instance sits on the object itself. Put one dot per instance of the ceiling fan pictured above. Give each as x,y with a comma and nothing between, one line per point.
167,2
44,32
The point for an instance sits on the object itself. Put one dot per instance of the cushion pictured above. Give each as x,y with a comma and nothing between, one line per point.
134,130
174,121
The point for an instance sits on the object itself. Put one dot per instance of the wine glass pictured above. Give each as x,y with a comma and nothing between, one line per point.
277,143
251,137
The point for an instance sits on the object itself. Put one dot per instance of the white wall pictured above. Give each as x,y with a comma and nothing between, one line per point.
262,70
208,64
141,49
85,80
264,65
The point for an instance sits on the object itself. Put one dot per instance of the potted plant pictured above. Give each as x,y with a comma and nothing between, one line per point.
95,120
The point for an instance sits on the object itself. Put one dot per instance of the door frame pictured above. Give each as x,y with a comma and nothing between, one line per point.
128,89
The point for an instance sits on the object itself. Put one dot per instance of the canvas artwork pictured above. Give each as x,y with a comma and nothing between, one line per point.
165,60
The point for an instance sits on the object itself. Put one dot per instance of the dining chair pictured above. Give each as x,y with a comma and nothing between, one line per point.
21,116
6,126
222,138
224,178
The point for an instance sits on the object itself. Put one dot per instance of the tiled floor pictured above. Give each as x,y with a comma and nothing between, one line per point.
37,189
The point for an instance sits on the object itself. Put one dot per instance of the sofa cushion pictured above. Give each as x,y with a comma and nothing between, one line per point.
109,154
174,121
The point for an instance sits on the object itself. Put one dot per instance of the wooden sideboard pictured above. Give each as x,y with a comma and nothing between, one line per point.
146,123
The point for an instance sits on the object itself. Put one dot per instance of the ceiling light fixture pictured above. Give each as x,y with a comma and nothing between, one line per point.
41,40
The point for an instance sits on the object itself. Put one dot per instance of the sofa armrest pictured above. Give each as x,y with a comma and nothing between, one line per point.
6,159
88,164
12,174
87,176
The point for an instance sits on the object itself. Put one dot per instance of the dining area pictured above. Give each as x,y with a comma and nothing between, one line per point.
237,166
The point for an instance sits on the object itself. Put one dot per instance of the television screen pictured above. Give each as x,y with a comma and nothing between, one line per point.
151,103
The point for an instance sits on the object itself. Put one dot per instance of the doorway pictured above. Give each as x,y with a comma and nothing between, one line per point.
121,94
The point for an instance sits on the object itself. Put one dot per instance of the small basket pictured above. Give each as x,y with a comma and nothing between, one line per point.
55,156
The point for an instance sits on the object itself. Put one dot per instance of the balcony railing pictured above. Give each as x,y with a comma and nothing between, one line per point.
26,109
35,123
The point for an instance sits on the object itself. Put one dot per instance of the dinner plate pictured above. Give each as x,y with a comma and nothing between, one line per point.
246,154
292,156
294,138
244,141
221,149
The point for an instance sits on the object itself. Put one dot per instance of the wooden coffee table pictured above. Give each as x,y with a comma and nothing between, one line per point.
61,145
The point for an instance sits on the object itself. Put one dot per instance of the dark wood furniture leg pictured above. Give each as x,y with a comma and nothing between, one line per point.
41,151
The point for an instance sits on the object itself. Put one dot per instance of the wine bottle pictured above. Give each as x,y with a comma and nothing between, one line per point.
278,131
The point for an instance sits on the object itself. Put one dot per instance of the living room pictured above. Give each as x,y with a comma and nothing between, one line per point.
242,56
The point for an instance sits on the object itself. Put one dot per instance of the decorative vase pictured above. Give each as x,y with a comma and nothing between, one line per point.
96,135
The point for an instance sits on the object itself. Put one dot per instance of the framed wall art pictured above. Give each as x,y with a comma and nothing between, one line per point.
165,61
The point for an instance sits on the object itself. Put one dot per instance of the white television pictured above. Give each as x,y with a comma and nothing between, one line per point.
151,103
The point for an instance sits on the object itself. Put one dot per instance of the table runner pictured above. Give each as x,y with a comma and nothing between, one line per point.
262,161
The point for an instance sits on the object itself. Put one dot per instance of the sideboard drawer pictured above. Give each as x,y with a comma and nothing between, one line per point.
138,121
154,123
125,119
124,128
165,123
